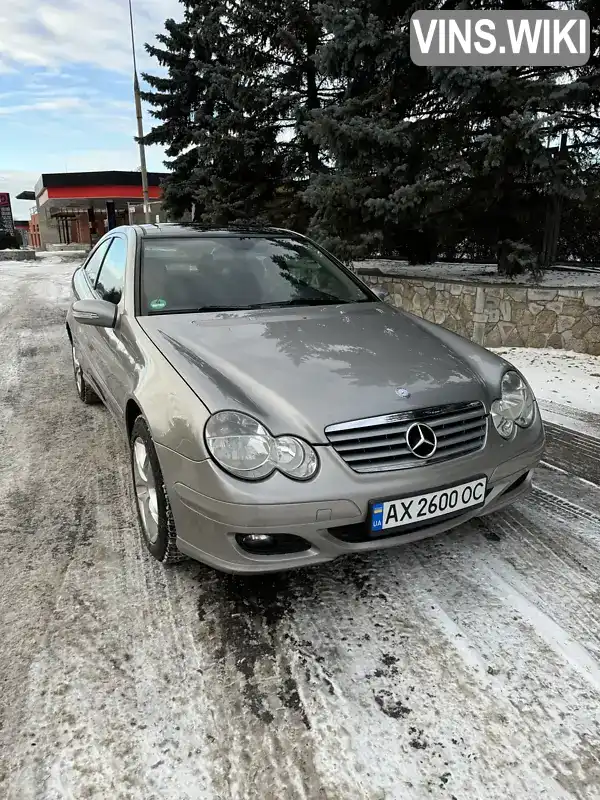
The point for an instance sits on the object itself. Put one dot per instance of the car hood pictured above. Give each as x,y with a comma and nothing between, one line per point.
299,370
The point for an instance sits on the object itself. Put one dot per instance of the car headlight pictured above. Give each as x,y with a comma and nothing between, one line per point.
245,448
516,406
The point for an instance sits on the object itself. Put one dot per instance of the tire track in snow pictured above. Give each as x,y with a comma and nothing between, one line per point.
543,668
572,532
269,750
578,491
130,724
538,635
33,566
399,685
553,547
555,582
565,508
577,453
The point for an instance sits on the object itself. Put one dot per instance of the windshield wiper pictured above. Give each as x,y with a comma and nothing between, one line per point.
295,301
202,309
302,301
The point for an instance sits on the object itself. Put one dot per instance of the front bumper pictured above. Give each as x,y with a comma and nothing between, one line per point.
208,518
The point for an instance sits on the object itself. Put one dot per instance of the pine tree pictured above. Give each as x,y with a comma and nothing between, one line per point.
430,159
216,120
512,122
389,172
312,115
242,79
173,99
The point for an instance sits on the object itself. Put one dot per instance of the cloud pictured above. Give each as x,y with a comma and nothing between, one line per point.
52,33
58,104
78,104
65,78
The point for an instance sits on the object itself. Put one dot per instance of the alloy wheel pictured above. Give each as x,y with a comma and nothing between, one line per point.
77,370
145,490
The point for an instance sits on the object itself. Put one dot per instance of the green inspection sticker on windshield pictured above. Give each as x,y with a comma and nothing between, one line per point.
158,304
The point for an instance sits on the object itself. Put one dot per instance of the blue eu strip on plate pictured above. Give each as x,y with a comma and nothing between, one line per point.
377,517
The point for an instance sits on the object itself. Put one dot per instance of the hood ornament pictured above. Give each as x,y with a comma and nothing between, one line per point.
402,392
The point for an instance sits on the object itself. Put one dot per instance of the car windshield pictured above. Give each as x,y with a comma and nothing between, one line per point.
240,272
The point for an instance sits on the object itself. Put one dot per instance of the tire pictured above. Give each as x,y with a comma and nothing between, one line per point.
86,394
151,499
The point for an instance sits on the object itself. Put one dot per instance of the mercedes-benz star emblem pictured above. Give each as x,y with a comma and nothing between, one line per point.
402,392
421,440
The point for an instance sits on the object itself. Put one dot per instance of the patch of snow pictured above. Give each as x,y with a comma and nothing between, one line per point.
49,280
478,273
4,265
558,376
515,592
49,254
50,290
587,423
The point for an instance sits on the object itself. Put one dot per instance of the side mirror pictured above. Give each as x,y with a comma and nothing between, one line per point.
381,294
100,313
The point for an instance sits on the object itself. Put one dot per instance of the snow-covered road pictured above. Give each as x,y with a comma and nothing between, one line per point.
467,666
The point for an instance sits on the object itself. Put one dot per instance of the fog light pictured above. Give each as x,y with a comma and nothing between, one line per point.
258,542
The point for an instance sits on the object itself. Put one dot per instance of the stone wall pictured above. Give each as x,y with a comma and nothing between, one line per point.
495,315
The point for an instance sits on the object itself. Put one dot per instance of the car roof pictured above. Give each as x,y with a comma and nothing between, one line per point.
171,229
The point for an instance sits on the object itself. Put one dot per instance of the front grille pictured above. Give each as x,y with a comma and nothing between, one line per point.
378,444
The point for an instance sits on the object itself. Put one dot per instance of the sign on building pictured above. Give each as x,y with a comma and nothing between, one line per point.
6,218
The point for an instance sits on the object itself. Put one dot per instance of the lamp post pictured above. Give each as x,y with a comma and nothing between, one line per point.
140,124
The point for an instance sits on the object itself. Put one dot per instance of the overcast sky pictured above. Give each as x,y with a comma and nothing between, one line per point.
65,87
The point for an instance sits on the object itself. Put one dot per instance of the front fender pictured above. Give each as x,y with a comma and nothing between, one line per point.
175,414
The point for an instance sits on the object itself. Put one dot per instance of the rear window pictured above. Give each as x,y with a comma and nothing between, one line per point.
197,274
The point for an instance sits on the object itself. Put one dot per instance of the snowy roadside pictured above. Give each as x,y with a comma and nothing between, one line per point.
477,273
49,278
566,384
559,376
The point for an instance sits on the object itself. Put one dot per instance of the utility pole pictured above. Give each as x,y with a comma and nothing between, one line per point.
140,124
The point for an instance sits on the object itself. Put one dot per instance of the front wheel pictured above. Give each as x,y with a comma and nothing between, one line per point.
152,502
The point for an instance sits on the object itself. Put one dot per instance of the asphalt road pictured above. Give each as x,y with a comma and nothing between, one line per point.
463,667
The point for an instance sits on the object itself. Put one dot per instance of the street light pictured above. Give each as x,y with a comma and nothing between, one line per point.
140,124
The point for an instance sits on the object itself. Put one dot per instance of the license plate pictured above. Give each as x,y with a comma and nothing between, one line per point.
423,507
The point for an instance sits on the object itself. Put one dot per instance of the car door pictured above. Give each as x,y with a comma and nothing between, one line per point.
113,351
84,282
